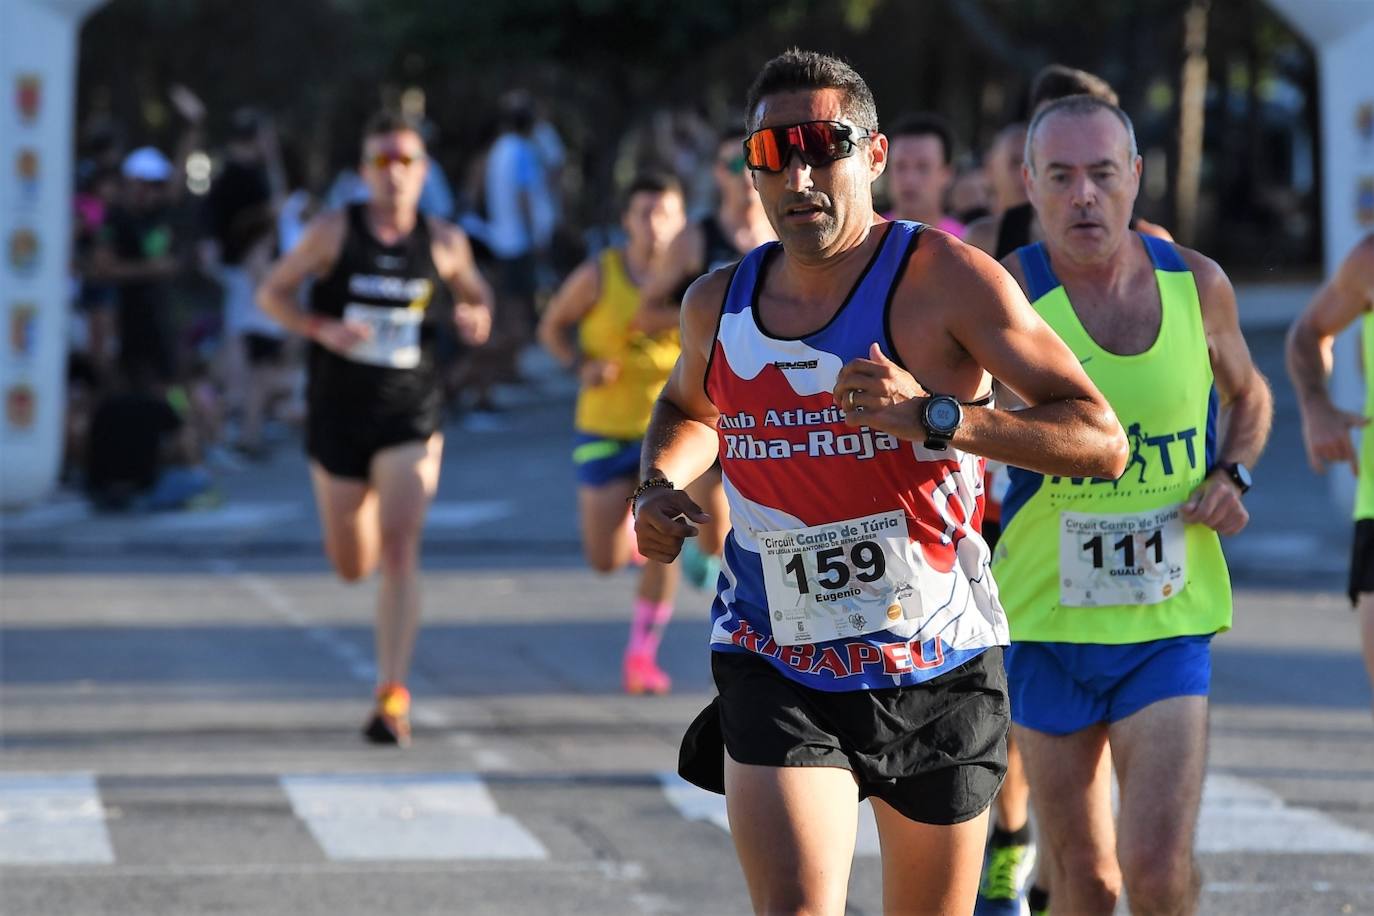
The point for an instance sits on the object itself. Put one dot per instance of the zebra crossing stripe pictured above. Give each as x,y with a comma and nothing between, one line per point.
1237,815
52,819
1242,816
699,805
407,817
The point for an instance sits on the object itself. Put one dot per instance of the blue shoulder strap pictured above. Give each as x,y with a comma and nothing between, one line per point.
1164,255
740,295
1035,265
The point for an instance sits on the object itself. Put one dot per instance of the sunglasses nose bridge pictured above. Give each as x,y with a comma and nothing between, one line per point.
797,169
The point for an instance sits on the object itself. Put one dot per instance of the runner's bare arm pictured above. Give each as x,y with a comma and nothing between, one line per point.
1067,428
279,293
676,265
472,296
1337,305
1247,405
680,443
1246,401
569,305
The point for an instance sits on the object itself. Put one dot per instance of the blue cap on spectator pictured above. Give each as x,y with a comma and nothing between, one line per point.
147,164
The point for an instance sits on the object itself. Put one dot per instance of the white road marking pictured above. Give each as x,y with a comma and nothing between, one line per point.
466,514
699,805
370,817
237,515
483,757
1239,815
52,819
359,665
251,869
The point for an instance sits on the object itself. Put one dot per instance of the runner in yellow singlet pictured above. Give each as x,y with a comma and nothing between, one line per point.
621,370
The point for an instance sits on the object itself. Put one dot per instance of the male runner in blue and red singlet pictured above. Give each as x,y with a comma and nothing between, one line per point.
856,632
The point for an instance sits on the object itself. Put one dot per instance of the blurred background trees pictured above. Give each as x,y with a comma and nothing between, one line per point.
606,68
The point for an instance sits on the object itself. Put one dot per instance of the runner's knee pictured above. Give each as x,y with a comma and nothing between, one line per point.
1160,883
602,560
400,551
1095,874
350,566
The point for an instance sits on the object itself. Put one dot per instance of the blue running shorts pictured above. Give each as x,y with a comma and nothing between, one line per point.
1059,688
600,460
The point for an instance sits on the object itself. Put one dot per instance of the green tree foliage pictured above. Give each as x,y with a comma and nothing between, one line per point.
603,66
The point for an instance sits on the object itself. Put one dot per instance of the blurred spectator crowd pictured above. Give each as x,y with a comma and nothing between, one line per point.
177,378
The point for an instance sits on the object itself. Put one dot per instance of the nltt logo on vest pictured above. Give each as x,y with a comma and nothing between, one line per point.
1157,459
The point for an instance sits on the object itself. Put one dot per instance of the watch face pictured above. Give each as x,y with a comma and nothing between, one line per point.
943,415
1242,474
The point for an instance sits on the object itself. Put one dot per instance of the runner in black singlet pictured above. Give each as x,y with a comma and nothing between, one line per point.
385,278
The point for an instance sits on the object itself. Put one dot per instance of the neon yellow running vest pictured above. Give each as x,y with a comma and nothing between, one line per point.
1083,560
620,409
1364,492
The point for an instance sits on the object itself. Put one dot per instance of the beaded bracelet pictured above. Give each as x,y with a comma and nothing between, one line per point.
646,486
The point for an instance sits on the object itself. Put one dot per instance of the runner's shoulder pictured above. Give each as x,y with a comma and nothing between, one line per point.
704,301
1360,262
1213,286
329,226
585,279
445,233
322,241
945,273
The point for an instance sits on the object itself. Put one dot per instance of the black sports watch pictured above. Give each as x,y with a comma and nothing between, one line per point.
1239,474
941,417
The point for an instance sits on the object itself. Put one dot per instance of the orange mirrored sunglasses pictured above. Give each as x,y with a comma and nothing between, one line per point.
818,143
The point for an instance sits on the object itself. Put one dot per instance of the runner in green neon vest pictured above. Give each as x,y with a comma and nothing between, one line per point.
1344,299
1114,588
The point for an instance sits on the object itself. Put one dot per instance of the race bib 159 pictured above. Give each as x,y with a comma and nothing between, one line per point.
840,579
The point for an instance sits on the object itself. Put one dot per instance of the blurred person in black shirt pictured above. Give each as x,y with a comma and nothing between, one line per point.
140,454
135,252
242,198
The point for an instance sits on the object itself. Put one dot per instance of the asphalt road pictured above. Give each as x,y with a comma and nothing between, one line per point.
182,694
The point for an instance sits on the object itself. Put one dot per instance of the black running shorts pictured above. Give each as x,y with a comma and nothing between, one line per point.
1362,560
935,752
344,445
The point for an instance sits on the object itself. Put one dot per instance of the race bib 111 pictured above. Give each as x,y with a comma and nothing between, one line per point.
1138,558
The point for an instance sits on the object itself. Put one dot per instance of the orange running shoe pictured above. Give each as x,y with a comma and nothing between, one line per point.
643,675
390,723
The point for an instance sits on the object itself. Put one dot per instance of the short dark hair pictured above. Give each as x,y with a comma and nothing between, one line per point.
1080,105
796,70
392,122
925,124
650,183
1058,81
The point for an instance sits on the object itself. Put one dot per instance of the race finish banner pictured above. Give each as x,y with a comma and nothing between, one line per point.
38,40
